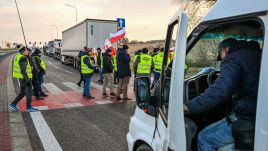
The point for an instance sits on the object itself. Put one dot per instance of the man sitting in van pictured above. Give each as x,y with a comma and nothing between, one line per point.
239,77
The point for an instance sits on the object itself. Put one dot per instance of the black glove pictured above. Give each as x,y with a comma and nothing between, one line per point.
28,83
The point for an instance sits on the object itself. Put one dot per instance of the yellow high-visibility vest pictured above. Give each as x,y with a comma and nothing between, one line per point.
114,63
145,64
135,58
84,68
42,63
158,61
16,67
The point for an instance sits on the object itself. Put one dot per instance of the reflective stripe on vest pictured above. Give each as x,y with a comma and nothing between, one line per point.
16,68
114,63
158,61
145,64
84,68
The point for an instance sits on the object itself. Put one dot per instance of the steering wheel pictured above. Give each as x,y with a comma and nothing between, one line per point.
212,76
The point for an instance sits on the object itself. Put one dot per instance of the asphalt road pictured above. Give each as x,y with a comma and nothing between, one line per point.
97,127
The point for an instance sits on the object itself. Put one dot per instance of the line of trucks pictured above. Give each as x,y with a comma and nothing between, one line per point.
91,33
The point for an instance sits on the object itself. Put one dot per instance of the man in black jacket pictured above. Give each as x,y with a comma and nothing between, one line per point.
23,71
108,73
239,79
41,66
124,72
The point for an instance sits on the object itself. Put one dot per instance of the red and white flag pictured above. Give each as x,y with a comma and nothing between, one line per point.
107,45
118,35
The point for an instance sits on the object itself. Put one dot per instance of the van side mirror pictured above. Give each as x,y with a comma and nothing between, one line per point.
142,92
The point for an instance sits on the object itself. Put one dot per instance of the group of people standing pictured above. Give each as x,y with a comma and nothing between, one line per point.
113,69
29,68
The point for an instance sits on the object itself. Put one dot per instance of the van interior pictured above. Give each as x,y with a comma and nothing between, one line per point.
203,67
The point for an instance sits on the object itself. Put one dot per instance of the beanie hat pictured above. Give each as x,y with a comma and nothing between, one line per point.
125,47
144,50
37,51
21,48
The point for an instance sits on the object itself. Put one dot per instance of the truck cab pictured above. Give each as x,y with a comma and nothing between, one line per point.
159,119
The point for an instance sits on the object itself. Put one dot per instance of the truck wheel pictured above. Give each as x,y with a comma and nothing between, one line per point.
144,147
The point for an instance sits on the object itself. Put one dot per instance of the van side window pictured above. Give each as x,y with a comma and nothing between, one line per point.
167,69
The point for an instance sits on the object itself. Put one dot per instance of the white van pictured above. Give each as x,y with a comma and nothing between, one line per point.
158,122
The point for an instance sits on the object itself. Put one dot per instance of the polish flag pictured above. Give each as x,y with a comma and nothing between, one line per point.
117,36
107,45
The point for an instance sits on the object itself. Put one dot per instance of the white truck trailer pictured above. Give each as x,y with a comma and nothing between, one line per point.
91,33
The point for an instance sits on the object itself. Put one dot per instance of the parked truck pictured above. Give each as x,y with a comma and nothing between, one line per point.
91,33
54,48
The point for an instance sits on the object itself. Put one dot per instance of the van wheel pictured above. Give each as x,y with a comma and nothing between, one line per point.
144,147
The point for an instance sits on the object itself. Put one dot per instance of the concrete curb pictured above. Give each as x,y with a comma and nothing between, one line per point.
19,137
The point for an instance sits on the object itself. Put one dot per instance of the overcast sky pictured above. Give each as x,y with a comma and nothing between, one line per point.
145,19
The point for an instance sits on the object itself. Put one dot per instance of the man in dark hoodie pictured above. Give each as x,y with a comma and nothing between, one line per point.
124,72
23,71
41,67
87,70
108,73
239,78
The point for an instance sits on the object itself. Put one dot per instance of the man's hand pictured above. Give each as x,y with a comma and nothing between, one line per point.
185,109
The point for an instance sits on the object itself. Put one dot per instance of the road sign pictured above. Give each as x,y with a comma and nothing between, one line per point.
121,22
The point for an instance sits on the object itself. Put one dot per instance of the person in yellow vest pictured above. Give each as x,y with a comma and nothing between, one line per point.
137,53
87,71
100,64
116,78
158,61
144,65
41,65
23,71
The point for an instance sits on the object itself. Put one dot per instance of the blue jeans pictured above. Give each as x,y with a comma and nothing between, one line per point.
87,85
40,80
214,136
101,73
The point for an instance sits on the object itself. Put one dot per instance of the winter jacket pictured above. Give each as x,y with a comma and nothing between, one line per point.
107,63
238,80
123,60
87,62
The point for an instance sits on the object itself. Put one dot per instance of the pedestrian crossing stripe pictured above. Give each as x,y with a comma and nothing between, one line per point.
73,86
52,88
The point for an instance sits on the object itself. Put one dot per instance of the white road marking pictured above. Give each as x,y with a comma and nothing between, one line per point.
73,86
72,105
52,88
45,134
92,84
41,107
58,67
104,102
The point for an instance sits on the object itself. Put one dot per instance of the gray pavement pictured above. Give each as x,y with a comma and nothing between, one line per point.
95,127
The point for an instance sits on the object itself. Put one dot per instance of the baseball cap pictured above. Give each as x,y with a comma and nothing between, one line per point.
229,42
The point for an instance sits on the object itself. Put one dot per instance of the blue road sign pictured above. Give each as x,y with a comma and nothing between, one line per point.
121,22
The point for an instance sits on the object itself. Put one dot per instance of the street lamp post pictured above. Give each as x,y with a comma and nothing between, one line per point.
56,29
51,34
75,10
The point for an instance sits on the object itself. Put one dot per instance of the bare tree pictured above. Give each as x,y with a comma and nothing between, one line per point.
195,9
